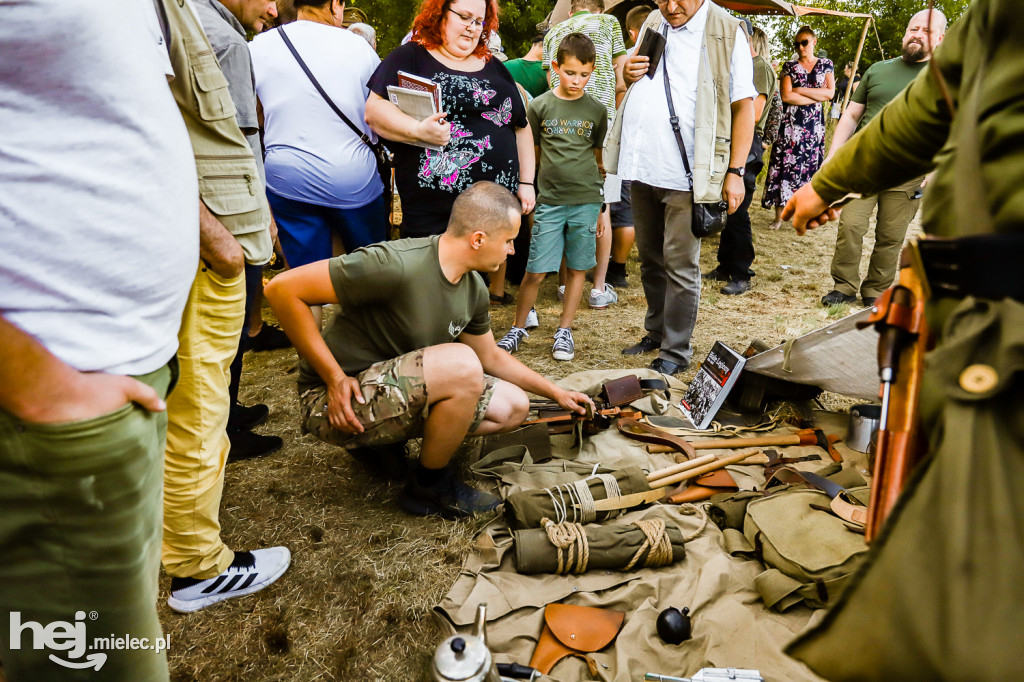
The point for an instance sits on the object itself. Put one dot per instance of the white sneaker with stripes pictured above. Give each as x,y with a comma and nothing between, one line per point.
249,572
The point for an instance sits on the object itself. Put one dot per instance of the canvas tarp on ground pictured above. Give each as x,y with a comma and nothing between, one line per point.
731,626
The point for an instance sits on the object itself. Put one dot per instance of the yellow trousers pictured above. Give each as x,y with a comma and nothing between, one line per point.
197,439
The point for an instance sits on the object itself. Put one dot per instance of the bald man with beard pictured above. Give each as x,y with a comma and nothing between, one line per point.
896,207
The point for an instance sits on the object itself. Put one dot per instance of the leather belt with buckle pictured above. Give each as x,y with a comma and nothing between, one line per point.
984,266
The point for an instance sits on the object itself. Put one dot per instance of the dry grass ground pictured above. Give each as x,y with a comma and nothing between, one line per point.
355,604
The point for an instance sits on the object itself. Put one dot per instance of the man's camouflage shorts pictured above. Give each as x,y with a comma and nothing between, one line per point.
395,408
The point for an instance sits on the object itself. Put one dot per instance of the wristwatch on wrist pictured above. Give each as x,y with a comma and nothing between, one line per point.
737,171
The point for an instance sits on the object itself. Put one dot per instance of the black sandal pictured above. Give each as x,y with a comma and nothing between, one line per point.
504,299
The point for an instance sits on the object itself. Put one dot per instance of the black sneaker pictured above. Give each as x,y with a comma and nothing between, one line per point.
268,337
248,445
836,297
249,572
242,418
717,275
646,345
736,287
390,462
449,498
618,281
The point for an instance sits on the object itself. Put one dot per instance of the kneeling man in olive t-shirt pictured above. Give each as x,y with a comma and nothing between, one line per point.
411,352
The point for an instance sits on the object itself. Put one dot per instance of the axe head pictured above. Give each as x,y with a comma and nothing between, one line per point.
826,443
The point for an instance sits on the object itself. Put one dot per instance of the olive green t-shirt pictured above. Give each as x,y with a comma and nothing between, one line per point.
765,82
881,83
395,299
567,131
530,74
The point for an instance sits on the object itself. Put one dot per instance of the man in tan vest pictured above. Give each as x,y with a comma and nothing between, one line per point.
710,76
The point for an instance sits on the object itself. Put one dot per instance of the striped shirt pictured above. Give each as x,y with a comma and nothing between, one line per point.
606,33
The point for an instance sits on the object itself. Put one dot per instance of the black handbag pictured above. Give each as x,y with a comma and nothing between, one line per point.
707,218
385,165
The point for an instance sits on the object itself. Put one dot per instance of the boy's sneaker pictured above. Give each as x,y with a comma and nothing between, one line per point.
532,321
564,348
561,292
449,497
249,572
510,342
603,299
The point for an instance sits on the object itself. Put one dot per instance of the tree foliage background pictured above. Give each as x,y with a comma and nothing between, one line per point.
839,36
393,18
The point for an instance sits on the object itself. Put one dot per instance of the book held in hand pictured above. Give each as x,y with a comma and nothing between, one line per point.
652,46
413,82
416,103
709,389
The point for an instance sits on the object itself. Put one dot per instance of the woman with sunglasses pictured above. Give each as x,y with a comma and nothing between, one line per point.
806,84
482,130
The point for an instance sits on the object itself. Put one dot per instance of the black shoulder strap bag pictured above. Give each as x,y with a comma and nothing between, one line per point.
380,152
707,219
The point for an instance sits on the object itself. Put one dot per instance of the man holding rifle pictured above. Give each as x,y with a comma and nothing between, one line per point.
941,596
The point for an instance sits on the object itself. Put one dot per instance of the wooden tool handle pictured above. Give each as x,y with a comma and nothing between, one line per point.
734,458
677,468
732,443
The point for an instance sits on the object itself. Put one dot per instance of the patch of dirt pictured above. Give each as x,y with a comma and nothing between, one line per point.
356,602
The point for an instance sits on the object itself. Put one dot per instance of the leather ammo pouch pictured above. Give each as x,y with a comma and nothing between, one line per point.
622,391
574,631
809,553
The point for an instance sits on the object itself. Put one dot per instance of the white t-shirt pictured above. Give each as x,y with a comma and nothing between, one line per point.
99,220
312,155
645,126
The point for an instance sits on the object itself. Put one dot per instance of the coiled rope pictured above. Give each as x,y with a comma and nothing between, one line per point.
574,551
577,498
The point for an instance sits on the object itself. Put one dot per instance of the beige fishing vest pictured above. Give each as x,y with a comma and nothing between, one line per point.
229,180
713,125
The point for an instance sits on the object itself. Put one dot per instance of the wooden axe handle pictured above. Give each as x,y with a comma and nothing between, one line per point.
734,458
678,468
732,443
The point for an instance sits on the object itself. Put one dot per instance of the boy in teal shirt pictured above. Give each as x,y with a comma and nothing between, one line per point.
569,128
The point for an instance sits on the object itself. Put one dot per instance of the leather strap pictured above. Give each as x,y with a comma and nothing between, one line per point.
316,84
672,118
637,430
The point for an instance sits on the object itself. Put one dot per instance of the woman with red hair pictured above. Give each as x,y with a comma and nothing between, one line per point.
482,130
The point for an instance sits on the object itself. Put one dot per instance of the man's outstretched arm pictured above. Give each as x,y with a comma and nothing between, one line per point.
38,387
498,363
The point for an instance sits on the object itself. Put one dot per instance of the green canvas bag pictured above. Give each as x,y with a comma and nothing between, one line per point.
809,554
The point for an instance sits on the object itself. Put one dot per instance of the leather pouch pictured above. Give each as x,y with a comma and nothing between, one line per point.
622,391
574,631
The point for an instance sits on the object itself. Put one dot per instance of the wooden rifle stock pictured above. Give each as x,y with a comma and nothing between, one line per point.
903,341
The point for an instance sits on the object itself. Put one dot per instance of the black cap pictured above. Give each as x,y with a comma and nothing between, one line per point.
749,26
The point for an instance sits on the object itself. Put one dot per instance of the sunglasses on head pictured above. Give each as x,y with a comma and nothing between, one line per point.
802,43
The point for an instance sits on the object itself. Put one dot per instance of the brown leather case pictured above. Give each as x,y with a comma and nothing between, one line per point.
622,391
574,631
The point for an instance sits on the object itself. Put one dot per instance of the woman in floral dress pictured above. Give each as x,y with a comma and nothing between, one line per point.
806,83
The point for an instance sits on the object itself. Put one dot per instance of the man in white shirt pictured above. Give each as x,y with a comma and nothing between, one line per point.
716,124
101,240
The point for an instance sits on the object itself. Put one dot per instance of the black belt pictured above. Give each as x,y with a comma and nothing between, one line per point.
984,266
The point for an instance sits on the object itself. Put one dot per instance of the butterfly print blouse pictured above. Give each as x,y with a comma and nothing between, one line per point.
484,108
